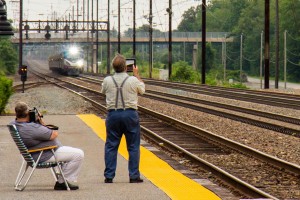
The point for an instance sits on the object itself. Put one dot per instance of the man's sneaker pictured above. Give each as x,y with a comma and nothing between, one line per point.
108,180
62,186
136,180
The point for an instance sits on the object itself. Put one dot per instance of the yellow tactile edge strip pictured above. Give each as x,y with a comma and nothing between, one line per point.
161,174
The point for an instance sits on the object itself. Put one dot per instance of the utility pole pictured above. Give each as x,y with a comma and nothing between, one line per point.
119,29
134,29
224,57
169,10
108,39
21,35
88,36
77,12
267,43
277,44
93,45
150,41
83,10
241,58
261,58
285,59
203,40
97,37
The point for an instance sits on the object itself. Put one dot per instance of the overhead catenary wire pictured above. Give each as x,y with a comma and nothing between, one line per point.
293,62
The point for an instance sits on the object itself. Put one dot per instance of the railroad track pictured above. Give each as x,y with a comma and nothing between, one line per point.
188,102
247,170
18,88
260,97
272,99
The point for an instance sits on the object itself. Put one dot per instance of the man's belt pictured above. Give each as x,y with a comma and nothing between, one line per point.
121,109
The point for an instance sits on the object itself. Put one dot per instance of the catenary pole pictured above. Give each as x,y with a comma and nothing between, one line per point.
150,41
134,29
277,44
119,26
267,43
170,38
108,38
97,36
261,58
241,58
285,59
21,35
203,40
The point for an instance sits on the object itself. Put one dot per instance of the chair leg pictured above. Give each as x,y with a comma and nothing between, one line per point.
19,174
63,176
54,173
61,172
20,178
21,188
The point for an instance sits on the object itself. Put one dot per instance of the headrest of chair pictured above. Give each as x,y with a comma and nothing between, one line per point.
12,127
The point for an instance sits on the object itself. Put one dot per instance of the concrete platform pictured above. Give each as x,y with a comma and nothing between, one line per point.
87,132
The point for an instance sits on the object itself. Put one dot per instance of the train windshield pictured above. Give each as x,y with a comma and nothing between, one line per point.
73,56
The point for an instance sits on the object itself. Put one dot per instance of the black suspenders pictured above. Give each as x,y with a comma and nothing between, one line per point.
119,90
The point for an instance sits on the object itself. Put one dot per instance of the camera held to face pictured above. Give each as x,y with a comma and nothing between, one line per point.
130,62
34,115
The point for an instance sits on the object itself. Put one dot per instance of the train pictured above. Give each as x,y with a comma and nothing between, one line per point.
68,62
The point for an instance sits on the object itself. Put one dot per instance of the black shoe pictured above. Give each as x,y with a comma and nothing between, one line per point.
62,186
108,180
136,180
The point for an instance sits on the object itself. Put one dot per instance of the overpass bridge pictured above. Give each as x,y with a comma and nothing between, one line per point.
141,37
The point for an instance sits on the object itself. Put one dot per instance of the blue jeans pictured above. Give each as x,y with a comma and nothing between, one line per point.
121,122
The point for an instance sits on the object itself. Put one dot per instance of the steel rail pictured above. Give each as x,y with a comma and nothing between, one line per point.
241,185
255,112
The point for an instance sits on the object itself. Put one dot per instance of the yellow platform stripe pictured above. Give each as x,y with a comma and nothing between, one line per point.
161,174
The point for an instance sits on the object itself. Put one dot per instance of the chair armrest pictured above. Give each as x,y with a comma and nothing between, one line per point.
42,149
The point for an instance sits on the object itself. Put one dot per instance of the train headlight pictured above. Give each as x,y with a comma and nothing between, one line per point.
80,63
73,50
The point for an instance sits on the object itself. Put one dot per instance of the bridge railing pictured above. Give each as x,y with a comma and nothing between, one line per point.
103,35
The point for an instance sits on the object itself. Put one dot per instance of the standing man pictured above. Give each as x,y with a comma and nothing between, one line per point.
37,135
121,92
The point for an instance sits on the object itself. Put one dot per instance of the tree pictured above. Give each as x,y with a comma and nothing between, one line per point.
8,57
290,21
250,24
190,20
5,91
184,73
210,57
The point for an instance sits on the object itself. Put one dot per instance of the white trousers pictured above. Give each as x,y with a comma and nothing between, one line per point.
73,158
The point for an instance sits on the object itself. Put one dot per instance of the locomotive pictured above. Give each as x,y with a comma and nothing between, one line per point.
69,62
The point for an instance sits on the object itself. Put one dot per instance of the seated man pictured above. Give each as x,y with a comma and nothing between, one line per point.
36,135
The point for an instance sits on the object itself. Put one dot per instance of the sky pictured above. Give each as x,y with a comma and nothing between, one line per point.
61,9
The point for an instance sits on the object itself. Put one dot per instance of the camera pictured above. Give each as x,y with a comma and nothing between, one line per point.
34,115
129,63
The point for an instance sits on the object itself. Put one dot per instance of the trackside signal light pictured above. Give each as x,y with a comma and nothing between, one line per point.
23,72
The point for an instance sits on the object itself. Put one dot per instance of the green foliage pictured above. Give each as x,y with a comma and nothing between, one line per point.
182,72
247,17
190,20
235,17
8,63
210,57
290,21
5,91
234,85
8,57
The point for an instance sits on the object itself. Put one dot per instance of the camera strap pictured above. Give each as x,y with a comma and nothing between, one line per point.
119,90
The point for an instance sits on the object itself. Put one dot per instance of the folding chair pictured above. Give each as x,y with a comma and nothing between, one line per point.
29,161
